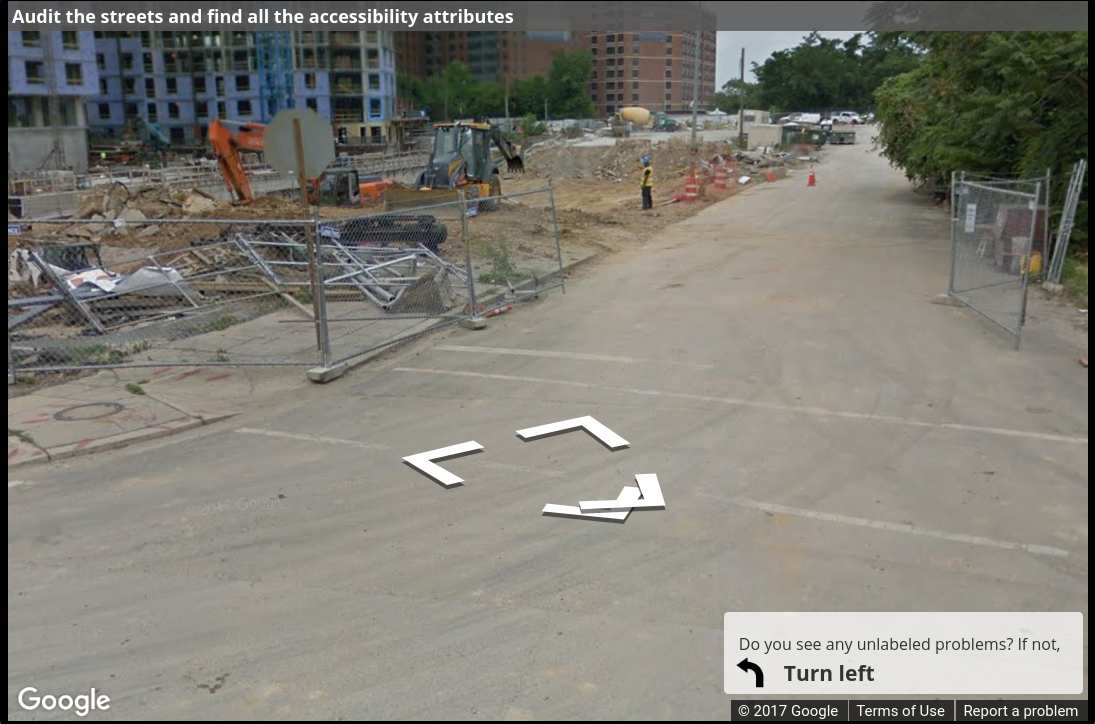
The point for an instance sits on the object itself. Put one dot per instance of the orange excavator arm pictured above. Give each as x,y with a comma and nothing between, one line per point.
228,139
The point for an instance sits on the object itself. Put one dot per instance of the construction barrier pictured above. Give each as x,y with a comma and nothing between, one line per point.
720,177
691,189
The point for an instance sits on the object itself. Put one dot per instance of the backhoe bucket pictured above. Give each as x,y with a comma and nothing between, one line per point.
515,165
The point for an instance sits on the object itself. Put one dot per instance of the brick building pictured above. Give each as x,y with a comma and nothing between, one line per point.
489,55
649,69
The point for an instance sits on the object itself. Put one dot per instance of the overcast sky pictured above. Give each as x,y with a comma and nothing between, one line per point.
759,45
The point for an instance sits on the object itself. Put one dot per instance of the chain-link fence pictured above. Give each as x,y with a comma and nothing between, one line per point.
301,292
391,276
998,238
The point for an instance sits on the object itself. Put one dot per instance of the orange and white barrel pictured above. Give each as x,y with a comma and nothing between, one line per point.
691,189
720,177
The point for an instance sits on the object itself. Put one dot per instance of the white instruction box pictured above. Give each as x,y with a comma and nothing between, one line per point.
919,654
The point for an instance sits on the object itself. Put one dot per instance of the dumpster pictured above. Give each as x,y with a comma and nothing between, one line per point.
799,136
842,138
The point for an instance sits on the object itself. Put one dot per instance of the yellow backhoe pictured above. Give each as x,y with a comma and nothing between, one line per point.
461,161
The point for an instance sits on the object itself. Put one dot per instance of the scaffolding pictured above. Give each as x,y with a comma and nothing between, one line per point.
275,59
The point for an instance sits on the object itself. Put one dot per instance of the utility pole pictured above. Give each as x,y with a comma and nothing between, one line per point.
741,104
696,74
507,101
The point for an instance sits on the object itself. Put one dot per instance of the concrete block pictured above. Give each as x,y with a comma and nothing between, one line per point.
474,323
947,300
323,375
1052,288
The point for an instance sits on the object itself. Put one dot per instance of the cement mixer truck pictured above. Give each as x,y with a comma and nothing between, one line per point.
641,118
634,116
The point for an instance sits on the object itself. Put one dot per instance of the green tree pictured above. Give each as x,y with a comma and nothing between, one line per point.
568,85
826,74
728,100
1008,103
530,96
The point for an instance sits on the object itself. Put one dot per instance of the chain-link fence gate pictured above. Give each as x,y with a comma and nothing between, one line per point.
998,235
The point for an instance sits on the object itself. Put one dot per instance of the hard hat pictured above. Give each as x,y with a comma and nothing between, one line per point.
646,160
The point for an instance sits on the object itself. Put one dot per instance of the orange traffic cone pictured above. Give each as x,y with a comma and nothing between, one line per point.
811,180
770,176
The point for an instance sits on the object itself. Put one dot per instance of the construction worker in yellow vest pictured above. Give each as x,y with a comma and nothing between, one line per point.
647,185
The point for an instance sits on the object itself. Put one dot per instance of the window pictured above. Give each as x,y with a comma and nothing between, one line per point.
202,109
634,97
129,110
172,86
149,88
610,97
610,51
668,50
593,86
668,74
610,74
374,108
610,38
103,87
74,74
669,85
310,81
668,62
593,39
634,62
222,109
244,108
70,39
311,103
243,82
199,85
104,111
634,85
127,61
148,65
635,73
129,86
100,60
31,38
173,111
593,52
374,81
153,116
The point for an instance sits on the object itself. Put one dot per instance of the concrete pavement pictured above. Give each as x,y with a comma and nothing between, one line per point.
825,437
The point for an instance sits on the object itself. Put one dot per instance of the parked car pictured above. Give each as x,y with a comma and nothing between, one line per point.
848,118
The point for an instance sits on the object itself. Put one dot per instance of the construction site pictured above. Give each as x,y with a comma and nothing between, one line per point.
115,267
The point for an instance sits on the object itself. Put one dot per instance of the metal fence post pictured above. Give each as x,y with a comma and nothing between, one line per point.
473,306
1026,267
322,317
555,227
11,362
954,231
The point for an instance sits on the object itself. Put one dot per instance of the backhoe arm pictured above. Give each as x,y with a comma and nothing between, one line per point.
509,151
227,139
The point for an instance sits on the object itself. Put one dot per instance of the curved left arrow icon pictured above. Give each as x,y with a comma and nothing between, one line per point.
424,462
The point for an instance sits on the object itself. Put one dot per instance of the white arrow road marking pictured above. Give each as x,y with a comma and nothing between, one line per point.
627,499
649,487
423,462
599,431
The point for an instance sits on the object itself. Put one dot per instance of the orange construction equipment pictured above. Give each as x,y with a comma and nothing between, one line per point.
811,180
341,187
720,177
